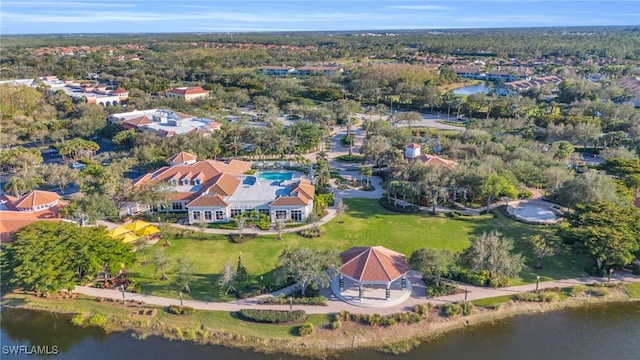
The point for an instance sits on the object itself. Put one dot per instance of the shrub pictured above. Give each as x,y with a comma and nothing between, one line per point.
409,209
600,292
467,308
191,335
78,320
305,329
343,315
388,321
450,309
137,289
178,332
414,318
544,296
460,216
264,223
422,309
500,281
180,310
313,232
282,300
335,324
577,290
272,316
98,320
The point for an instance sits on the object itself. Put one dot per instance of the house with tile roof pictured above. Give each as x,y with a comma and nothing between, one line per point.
413,152
215,191
37,205
187,93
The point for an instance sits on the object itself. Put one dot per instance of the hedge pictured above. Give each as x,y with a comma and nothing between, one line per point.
272,316
460,216
281,300
180,310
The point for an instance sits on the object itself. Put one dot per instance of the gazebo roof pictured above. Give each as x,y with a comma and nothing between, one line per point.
373,264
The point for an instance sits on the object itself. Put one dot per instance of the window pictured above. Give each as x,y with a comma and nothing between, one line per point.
281,214
196,216
185,181
219,215
235,212
196,182
263,211
296,215
176,206
174,182
208,215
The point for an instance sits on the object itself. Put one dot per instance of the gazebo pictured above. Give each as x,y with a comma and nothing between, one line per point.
376,271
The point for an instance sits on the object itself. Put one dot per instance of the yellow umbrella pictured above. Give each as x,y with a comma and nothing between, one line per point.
137,225
148,231
118,231
129,237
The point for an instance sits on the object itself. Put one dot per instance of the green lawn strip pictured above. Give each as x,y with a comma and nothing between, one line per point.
452,123
633,290
492,300
216,320
366,223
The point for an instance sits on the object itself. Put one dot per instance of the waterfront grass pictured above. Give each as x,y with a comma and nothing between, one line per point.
633,290
366,223
487,302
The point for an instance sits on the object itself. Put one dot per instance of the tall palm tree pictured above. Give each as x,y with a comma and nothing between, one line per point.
16,186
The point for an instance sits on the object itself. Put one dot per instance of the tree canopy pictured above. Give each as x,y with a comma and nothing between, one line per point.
49,256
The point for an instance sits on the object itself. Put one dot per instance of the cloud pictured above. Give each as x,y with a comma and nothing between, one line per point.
64,4
421,7
83,17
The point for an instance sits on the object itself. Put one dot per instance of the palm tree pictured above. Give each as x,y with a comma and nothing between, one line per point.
241,222
16,186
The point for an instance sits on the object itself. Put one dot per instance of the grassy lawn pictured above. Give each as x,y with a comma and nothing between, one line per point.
492,301
366,223
633,290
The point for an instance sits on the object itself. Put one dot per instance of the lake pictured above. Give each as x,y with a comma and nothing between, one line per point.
602,331
472,89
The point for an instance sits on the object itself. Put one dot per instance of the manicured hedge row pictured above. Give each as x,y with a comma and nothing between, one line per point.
281,300
272,316
460,216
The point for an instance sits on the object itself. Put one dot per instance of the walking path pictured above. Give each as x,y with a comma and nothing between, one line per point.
335,305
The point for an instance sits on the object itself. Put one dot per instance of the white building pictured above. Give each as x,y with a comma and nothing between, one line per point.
165,123
215,191
187,93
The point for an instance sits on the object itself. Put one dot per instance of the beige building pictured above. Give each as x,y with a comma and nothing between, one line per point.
188,93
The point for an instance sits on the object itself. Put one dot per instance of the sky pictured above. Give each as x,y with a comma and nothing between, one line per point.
136,16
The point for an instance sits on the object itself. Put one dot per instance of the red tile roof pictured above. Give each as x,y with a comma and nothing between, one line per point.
36,198
182,157
136,122
188,90
288,201
12,221
120,91
435,160
208,200
374,264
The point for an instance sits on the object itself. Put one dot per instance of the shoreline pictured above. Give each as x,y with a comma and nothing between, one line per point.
204,326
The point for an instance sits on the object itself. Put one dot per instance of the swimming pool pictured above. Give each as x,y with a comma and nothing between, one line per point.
275,175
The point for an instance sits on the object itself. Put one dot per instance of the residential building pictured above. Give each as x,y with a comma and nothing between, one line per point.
276,70
469,72
164,123
215,191
37,205
188,93
631,85
515,87
318,70
412,152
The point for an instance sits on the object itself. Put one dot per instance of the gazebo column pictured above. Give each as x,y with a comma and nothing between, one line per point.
341,282
360,291
388,291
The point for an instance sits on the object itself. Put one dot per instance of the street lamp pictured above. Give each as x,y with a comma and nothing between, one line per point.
610,273
290,303
122,289
261,286
537,282
466,291
180,298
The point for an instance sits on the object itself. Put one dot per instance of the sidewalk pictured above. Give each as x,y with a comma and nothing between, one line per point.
335,306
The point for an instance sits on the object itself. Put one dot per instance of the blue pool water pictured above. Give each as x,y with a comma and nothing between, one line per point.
275,175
